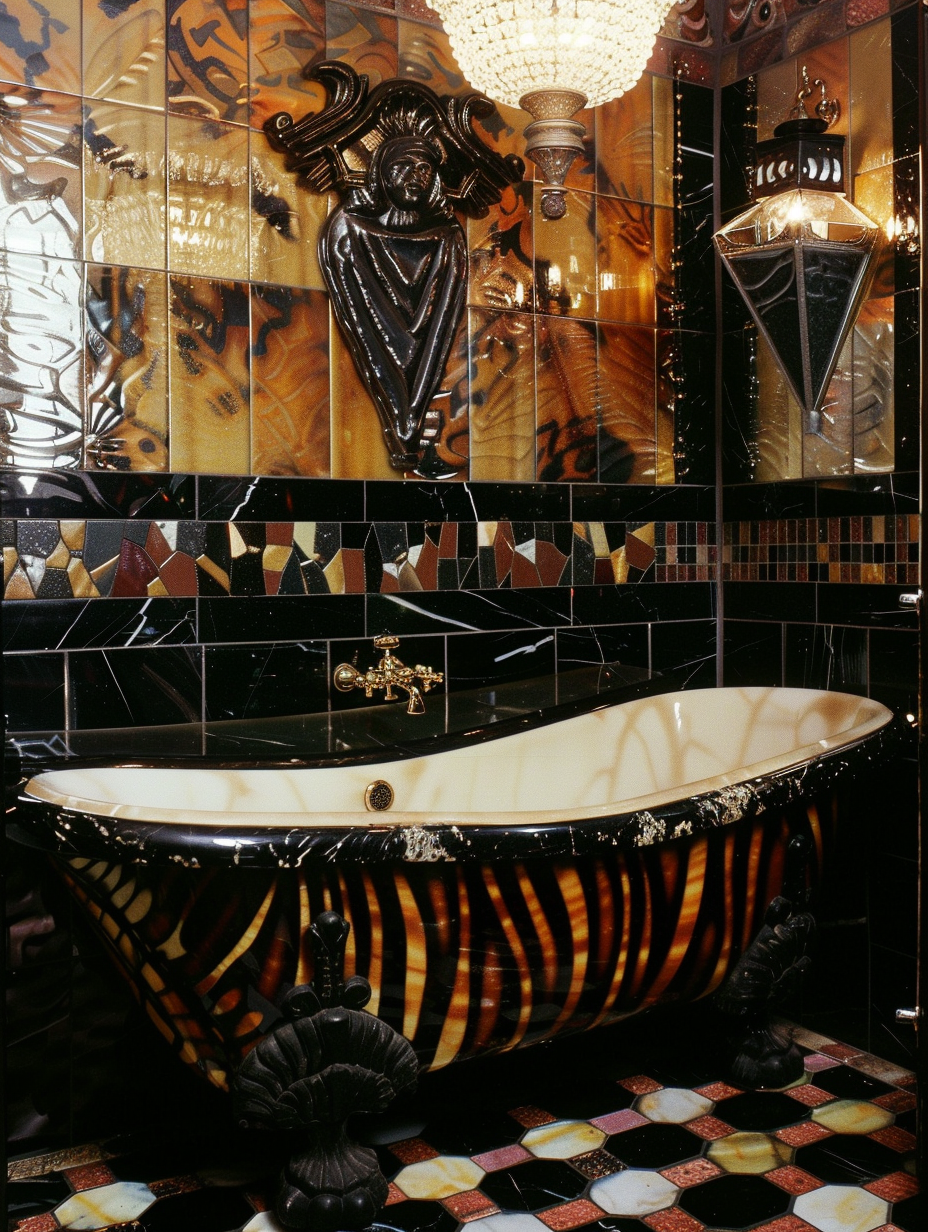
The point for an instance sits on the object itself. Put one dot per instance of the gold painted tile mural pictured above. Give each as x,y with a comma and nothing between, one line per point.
184,323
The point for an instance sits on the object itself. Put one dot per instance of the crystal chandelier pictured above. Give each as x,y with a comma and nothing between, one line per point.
802,256
552,58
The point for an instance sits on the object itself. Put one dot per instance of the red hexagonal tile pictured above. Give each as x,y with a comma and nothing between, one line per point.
571,1215
894,1188
794,1180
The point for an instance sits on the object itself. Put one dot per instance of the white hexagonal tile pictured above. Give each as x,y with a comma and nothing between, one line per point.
563,1139
266,1221
633,1192
439,1178
510,1221
852,1116
98,1208
842,1208
674,1105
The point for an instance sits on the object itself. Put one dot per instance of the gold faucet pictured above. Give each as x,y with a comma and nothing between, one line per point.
389,674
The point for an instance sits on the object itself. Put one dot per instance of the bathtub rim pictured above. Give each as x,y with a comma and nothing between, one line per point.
76,832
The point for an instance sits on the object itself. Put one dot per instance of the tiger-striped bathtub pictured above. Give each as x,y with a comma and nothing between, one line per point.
519,886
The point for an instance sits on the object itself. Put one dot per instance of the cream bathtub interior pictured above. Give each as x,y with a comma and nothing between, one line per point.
637,755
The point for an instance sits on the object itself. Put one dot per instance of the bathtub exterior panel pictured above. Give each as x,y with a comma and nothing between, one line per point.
463,958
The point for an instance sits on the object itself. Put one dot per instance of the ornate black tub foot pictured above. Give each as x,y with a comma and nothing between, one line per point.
761,1054
326,1061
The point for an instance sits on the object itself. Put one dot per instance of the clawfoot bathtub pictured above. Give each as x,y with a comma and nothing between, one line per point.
524,879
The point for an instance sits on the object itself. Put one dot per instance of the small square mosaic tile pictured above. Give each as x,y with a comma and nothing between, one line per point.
775,1162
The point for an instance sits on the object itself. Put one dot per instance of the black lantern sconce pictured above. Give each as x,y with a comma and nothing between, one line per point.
802,255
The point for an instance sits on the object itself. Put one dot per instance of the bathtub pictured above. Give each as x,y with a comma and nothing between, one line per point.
525,878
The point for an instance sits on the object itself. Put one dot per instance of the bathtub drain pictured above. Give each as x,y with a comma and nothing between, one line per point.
379,796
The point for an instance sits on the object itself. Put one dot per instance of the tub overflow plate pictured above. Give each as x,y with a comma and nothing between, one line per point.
379,796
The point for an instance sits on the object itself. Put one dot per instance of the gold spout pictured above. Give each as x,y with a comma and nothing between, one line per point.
389,674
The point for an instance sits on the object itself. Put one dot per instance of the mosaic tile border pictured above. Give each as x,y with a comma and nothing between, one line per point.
137,559
866,550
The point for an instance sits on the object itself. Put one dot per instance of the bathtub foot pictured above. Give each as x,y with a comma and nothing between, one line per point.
326,1060
761,1052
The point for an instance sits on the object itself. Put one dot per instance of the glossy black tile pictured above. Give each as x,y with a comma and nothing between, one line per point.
426,502
729,1200
753,652
149,686
597,502
644,601
849,1083
686,648
251,682
792,601
165,740
739,402
893,984
467,611
754,502
96,494
762,1110
81,623
906,379
738,142
905,82
34,692
221,498
894,902
862,495
582,646
847,1159
533,1185
486,658
825,657
653,1146
207,1210
283,618
862,604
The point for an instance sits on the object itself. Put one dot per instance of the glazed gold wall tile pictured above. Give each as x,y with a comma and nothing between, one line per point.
210,383
207,60
625,261
666,304
125,201
425,55
282,39
40,192
500,254
624,144
124,52
567,398
41,358
208,206
776,94
873,418
827,444
779,429
626,370
582,171
362,38
285,221
38,48
358,450
870,69
126,369
829,62
452,406
565,257
290,381
502,396
874,194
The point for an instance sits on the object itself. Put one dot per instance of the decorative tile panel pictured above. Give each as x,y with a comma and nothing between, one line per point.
882,549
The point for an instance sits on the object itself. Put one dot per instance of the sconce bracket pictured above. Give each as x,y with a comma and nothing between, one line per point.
800,155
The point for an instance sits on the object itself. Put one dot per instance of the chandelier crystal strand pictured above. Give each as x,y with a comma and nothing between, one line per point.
552,57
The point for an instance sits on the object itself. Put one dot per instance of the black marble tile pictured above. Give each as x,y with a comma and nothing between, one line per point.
847,1083
467,611
912,1214
905,82
223,498
893,985
906,379
863,495
756,502
781,601
421,502
752,653
893,660
208,1210
281,618
894,902
758,1111
739,398
533,1185
694,410
82,623
132,688
600,502
654,1146
34,692
686,648
477,659
906,262
580,647
250,682
96,494
415,1217
825,657
737,146
731,1200
35,1196
165,740
847,1159
643,601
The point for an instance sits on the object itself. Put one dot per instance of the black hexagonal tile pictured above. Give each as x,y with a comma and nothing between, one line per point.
761,1111
847,1159
912,1214
849,1083
415,1217
208,1210
534,1185
587,1097
735,1201
654,1146
464,1130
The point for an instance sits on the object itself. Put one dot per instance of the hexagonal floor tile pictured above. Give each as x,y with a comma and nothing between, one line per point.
735,1201
563,1139
750,1153
533,1186
852,1116
97,1208
673,1105
438,1178
842,1208
654,1146
634,1192
762,1110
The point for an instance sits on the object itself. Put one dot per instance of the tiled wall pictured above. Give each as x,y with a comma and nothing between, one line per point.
818,541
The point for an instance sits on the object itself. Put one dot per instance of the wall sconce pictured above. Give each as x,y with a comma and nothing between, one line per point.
802,255
552,60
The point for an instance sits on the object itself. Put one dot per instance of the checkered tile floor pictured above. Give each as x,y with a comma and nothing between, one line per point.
578,1135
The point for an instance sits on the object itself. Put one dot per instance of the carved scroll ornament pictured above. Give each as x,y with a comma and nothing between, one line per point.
393,254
